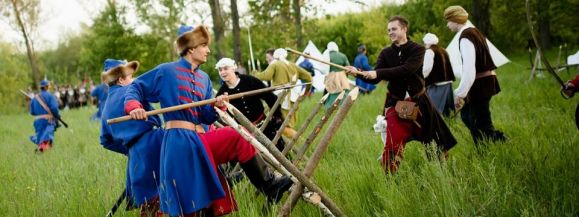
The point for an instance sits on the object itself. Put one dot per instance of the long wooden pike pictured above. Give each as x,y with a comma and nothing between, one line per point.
305,181
319,152
269,115
317,129
204,102
322,61
305,125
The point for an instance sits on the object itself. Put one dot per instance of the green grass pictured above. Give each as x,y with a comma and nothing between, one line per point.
535,173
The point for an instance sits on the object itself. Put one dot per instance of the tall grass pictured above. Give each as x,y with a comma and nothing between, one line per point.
534,173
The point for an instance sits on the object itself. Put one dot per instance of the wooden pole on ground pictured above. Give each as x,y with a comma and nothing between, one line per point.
318,128
305,181
319,152
305,125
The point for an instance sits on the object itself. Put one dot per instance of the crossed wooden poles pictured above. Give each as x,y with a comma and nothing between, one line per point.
277,159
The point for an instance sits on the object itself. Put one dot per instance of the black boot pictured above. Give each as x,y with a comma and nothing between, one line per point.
264,180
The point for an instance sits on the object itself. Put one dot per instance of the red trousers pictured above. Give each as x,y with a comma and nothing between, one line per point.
226,145
398,133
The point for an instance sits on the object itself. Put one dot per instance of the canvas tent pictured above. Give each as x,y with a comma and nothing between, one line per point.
455,58
320,69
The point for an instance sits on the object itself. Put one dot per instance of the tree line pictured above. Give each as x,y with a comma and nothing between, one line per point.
272,23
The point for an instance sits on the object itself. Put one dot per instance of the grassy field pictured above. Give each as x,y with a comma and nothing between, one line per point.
535,173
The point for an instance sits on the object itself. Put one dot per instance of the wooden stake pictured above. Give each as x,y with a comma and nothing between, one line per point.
318,128
305,181
319,152
305,125
287,120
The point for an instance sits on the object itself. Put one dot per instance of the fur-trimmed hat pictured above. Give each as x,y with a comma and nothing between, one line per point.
120,70
456,14
189,37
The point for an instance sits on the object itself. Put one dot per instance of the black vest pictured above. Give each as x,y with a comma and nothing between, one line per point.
441,68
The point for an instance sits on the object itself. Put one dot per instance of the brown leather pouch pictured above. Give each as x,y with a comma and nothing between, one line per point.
407,110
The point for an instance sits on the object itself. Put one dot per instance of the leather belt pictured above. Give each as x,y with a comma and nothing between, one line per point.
184,125
485,74
46,116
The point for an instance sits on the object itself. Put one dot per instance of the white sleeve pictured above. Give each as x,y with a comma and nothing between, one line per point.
428,62
468,54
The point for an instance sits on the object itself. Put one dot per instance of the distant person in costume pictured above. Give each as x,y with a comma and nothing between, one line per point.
438,75
361,63
44,108
280,72
100,93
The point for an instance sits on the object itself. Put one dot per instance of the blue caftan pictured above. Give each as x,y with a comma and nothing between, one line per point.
188,178
140,140
43,125
100,92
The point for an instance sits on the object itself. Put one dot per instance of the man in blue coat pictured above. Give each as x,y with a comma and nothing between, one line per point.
139,140
361,62
190,183
100,93
44,107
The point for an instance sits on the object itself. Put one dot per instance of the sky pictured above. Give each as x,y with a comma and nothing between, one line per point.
65,17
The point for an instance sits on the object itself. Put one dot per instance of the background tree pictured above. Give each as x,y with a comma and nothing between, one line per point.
218,26
24,16
236,32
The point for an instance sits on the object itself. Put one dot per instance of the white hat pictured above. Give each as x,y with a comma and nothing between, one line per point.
430,38
332,46
225,62
280,54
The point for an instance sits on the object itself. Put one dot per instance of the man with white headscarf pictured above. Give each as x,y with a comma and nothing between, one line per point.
336,80
279,72
438,75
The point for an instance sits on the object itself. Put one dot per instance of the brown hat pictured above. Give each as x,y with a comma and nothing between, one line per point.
456,14
190,38
113,74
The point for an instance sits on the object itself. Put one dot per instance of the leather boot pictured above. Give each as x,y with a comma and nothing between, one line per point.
264,180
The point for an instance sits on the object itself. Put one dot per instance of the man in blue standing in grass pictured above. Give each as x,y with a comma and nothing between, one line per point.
361,63
139,140
44,107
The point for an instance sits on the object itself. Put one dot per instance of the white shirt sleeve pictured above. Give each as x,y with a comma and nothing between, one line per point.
428,62
468,55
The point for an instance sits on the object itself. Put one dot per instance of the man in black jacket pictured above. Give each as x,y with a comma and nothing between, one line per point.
401,65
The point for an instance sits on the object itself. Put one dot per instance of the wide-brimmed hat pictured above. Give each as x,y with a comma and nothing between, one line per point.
189,37
119,68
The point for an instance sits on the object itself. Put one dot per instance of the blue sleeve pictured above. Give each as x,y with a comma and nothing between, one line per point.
146,87
208,113
95,91
365,65
108,142
53,105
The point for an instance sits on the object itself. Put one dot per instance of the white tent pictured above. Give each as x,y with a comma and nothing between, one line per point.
573,59
319,73
455,58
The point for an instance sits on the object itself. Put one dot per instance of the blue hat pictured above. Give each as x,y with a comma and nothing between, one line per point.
44,83
361,48
111,63
183,29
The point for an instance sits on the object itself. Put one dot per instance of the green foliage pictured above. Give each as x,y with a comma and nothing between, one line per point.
14,76
533,174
